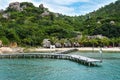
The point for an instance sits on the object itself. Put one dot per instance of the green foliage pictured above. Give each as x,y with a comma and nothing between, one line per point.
30,26
5,40
28,4
108,30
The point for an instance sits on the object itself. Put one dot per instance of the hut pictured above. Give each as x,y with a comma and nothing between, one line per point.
76,44
58,45
46,43
67,44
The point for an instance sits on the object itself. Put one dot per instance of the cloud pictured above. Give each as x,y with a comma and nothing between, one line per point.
62,6
3,4
32,1
93,5
60,9
67,7
65,2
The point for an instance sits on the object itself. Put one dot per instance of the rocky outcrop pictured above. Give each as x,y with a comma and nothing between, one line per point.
45,13
15,5
41,6
1,11
6,15
13,45
112,22
5,50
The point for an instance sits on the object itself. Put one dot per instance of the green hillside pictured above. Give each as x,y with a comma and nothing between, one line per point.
33,24
105,21
26,24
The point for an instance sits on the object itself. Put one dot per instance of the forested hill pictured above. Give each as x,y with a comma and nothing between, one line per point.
24,23
105,21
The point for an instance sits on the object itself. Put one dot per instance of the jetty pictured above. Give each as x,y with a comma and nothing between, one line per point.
57,55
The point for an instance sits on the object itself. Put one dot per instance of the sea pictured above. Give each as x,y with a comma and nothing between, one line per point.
57,69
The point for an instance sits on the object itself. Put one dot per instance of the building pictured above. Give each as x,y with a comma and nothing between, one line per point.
46,43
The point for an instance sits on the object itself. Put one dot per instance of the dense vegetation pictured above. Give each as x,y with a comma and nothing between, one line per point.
30,26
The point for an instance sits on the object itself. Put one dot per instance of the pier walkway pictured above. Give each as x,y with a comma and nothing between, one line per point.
57,55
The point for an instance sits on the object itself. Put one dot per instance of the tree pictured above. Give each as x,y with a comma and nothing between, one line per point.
94,42
113,40
5,40
105,41
12,36
53,40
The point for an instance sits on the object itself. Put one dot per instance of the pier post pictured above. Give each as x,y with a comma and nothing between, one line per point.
88,63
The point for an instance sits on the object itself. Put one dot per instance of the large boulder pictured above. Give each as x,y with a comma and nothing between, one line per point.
1,11
67,44
15,6
41,6
6,50
45,13
6,15
112,22
13,44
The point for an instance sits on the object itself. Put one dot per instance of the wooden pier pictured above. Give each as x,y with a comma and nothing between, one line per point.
58,55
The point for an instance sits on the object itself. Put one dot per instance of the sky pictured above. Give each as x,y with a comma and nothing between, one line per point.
66,7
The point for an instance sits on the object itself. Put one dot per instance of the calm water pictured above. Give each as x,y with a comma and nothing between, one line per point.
53,69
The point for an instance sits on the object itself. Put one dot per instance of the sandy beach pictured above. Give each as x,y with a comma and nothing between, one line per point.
115,49
85,49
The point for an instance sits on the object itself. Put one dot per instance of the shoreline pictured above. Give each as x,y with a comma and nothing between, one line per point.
43,50
82,49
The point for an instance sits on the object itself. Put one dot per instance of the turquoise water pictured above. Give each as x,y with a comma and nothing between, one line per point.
54,69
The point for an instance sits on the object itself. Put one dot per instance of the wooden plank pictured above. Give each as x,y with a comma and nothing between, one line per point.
79,58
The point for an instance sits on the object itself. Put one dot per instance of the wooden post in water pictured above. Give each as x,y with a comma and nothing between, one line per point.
100,51
88,63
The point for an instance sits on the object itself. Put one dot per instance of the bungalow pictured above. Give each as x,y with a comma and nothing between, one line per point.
46,43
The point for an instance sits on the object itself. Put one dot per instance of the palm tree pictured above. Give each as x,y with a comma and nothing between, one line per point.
94,42
105,41
118,41
72,41
113,42
53,40
83,41
62,41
